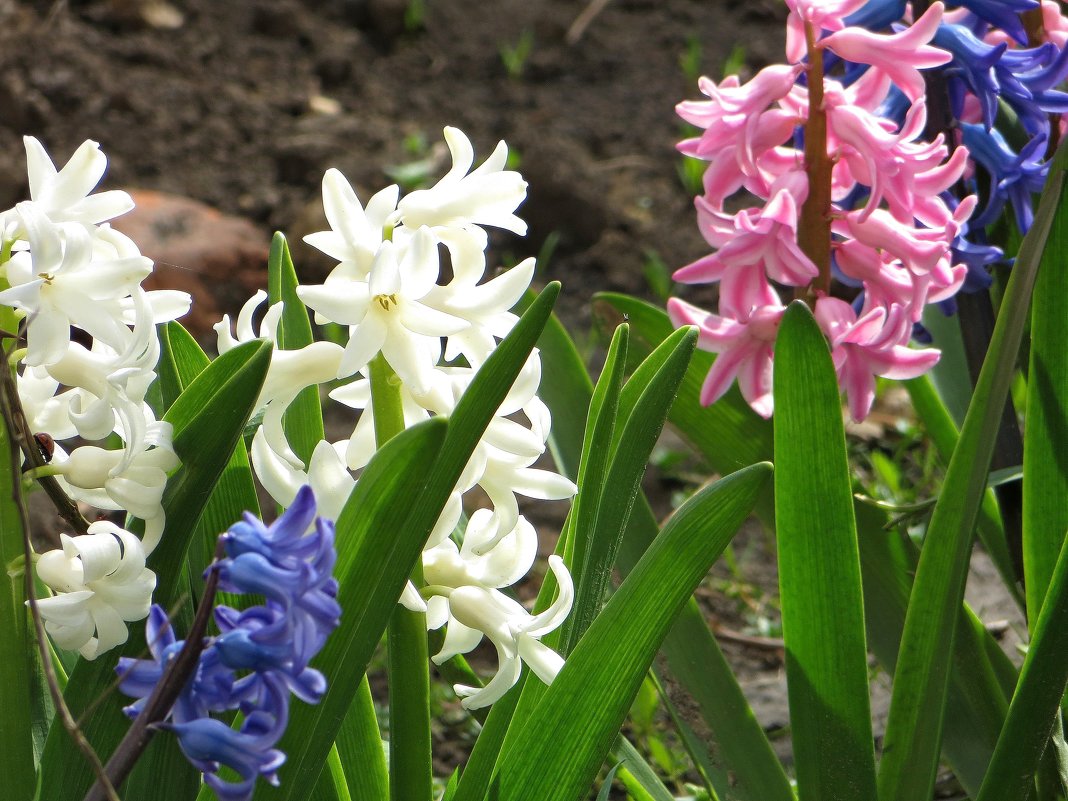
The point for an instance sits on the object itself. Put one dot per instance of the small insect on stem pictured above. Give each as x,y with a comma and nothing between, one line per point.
46,444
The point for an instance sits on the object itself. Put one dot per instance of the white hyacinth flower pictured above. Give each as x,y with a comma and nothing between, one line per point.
64,195
111,479
515,633
355,232
59,284
487,195
101,584
326,475
387,313
290,371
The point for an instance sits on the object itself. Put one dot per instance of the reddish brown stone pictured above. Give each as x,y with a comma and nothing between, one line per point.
217,258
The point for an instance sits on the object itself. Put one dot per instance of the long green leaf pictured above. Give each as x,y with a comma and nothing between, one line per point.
914,729
694,657
819,571
728,427
375,554
208,419
1037,700
939,424
643,407
17,648
976,700
235,491
376,574
596,447
586,704
1045,490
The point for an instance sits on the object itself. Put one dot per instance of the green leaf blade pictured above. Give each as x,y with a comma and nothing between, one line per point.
17,648
914,728
819,571
374,577
589,699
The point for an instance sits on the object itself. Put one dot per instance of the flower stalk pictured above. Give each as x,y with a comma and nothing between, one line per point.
814,229
408,655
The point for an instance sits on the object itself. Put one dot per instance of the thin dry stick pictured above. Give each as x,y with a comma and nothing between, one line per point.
62,710
583,20
20,429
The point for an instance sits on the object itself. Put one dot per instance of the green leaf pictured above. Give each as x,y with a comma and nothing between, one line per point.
596,447
1037,700
359,746
939,424
208,418
181,360
636,774
18,651
728,433
333,782
693,655
587,702
405,497
606,786
976,699
914,728
303,420
371,570
1045,490
644,403
235,491
819,571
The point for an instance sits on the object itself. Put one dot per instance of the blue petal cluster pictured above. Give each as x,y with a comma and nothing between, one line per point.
260,657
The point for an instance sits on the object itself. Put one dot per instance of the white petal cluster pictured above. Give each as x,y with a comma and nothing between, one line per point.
101,584
63,269
389,292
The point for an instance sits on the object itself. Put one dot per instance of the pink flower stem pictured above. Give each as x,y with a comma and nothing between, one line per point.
814,228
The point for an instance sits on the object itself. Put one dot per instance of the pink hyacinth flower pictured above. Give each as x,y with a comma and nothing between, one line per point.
745,349
820,14
764,238
899,55
869,346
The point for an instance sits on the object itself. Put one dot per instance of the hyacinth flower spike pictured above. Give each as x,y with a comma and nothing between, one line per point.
261,656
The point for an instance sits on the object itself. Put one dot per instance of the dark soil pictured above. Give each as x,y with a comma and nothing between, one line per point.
229,108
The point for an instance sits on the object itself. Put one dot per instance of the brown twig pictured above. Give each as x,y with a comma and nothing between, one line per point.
583,20
20,430
175,677
62,710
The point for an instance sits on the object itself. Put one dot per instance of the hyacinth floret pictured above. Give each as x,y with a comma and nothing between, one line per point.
260,657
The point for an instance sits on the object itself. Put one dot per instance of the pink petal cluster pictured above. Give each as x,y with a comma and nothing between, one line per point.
895,243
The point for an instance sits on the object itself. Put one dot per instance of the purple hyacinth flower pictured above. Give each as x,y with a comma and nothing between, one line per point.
209,743
1003,14
260,658
209,690
1014,177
